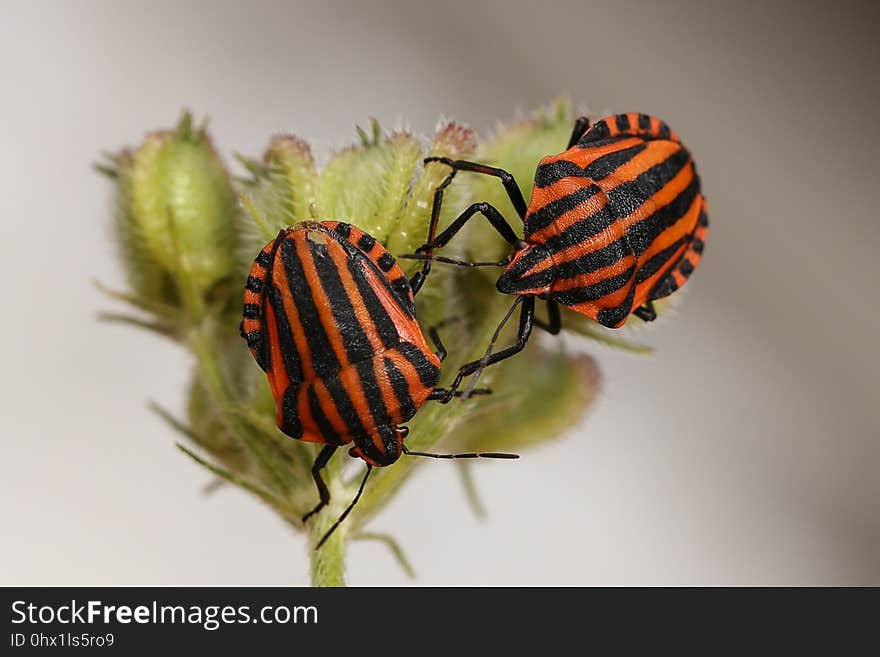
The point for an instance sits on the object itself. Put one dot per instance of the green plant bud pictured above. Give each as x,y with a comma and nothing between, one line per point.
517,148
178,212
150,282
280,193
451,140
291,157
367,184
536,397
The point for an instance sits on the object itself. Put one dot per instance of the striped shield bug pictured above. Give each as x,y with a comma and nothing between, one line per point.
616,221
330,317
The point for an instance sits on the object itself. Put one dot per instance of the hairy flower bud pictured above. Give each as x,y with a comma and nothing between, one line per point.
177,214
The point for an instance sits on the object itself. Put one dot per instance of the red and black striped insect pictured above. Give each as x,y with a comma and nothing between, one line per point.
330,317
615,222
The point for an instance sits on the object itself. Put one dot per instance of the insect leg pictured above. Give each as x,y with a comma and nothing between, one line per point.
580,127
495,218
553,325
455,261
646,312
322,459
510,186
526,319
347,510
491,213
438,344
442,394
418,279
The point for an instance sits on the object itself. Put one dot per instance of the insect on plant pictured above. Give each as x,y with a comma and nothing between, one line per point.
330,317
615,222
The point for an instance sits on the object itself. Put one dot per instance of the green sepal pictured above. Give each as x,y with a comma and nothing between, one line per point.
536,397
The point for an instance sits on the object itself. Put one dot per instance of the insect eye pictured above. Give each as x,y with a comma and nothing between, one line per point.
403,432
520,245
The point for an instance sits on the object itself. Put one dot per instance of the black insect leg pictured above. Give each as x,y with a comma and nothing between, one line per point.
418,279
553,325
347,510
526,320
646,312
509,182
580,127
322,459
442,394
438,344
495,218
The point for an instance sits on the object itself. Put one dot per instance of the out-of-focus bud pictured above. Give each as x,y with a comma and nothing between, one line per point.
177,214
208,431
561,390
291,158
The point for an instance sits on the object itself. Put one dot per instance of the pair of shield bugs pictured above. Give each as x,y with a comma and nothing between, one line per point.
615,222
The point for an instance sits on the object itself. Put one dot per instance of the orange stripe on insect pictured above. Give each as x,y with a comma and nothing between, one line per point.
585,156
615,269
679,230
388,396
330,409
656,153
279,380
662,198
591,206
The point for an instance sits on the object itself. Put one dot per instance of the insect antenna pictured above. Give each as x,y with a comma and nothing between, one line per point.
464,455
347,511
453,261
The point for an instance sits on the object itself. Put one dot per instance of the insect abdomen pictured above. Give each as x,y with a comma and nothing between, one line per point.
384,390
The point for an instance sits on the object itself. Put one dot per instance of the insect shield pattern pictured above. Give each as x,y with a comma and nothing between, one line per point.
330,317
615,222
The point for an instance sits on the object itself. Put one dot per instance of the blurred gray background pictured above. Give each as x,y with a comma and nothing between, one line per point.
745,452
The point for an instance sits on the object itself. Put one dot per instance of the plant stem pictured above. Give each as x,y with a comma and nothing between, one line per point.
328,562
